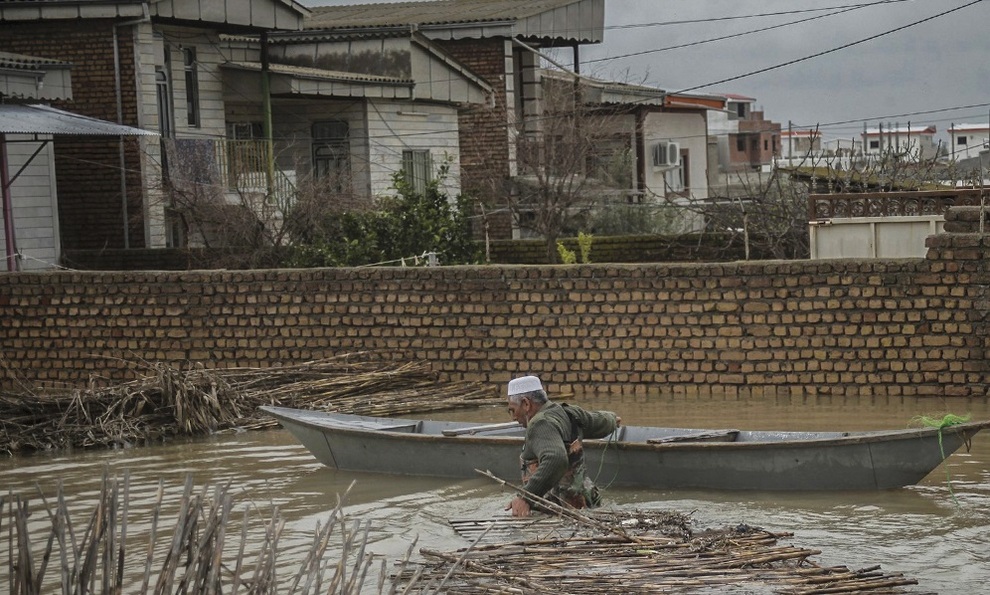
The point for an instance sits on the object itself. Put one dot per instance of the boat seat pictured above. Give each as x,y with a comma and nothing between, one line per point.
413,428
408,427
709,436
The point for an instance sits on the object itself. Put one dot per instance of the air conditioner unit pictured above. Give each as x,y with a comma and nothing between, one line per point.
666,154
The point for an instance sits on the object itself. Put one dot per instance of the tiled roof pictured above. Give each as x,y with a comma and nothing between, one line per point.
428,13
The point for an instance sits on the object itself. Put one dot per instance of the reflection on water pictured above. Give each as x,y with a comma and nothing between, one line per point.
937,532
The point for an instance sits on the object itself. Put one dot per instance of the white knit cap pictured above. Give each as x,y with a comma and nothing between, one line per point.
525,384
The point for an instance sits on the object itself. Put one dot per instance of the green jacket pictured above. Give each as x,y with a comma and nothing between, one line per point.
548,435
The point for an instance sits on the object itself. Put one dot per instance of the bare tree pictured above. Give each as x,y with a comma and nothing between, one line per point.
226,202
566,162
770,210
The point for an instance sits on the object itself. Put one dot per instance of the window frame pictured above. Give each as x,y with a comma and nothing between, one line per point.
191,72
417,169
331,152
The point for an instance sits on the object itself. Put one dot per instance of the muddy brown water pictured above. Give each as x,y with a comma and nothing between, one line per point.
937,532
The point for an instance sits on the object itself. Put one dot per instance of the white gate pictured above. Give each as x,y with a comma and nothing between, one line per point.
873,237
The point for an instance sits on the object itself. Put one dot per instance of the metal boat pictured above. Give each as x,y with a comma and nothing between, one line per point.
647,457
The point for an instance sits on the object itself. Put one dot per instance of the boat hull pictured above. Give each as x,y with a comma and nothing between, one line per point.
769,461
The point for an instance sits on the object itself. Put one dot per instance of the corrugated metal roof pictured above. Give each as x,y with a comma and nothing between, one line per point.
433,12
42,119
318,73
22,62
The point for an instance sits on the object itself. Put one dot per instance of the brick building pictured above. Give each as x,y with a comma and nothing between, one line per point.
495,40
150,65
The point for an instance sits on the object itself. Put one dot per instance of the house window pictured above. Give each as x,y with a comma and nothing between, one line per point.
961,140
677,178
331,153
175,229
417,168
740,110
766,145
244,130
163,92
192,86
685,170
874,144
740,144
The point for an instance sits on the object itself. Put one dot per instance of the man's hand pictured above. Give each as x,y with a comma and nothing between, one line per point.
519,507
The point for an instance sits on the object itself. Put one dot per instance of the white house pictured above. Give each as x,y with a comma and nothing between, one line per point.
30,211
796,144
967,141
356,109
913,141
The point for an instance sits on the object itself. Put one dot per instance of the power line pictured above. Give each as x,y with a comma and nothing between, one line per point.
901,115
748,16
736,35
829,51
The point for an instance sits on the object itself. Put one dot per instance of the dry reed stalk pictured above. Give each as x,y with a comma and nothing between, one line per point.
563,511
593,560
167,401
198,559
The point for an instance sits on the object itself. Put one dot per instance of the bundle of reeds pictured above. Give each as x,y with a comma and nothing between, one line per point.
736,559
593,552
203,555
165,400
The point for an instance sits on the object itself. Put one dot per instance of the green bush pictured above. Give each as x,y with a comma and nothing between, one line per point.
400,228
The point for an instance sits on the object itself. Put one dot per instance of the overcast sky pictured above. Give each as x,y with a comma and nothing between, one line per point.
905,75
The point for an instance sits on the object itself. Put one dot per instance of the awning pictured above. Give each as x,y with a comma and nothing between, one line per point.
42,119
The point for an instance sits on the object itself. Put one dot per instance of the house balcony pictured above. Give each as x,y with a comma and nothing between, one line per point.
245,168
242,169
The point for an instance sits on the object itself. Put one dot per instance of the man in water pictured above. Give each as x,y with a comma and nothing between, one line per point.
552,455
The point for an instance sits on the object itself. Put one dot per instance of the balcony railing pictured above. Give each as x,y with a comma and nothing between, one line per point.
889,204
243,166
240,166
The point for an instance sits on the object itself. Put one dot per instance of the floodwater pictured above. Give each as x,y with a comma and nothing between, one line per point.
937,532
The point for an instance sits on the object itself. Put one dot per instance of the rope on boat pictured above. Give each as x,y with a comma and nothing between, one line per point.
945,421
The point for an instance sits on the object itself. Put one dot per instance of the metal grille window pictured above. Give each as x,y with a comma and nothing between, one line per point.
331,153
417,167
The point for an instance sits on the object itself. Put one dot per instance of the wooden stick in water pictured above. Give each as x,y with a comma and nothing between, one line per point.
570,513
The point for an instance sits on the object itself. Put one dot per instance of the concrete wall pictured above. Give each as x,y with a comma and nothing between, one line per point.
866,327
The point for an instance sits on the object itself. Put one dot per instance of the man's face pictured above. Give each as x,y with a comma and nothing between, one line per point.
519,410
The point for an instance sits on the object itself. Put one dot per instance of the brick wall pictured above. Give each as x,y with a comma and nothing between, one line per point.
646,248
484,133
866,327
88,168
